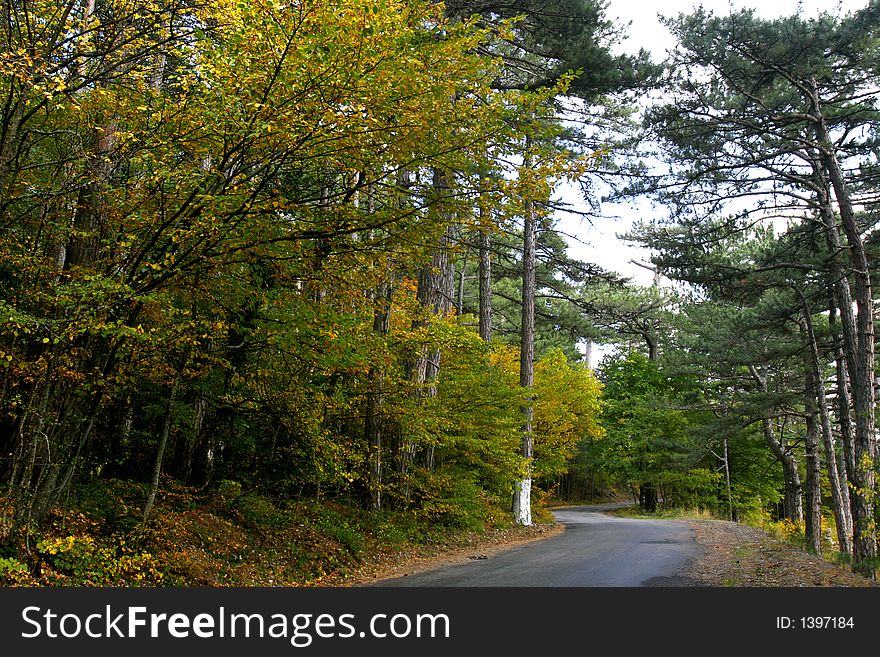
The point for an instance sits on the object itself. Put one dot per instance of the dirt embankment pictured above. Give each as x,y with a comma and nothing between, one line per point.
739,555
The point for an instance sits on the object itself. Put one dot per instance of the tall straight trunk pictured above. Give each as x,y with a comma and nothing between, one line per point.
813,472
89,221
840,500
522,500
844,407
10,134
485,273
435,293
441,292
588,352
442,305
461,274
403,449
840,298
374,422
859,350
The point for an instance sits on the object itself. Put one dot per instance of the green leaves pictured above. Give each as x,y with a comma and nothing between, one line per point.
645,434
567,408
202,203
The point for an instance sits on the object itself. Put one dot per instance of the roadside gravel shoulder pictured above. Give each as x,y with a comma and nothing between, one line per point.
743,556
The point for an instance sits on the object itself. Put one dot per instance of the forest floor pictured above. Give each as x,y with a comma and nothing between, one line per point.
230,539
735,555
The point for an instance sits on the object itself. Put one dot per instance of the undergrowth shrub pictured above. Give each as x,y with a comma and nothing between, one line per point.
83,561
455,501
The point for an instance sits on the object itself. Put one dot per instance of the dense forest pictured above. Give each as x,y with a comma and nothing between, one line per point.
300,262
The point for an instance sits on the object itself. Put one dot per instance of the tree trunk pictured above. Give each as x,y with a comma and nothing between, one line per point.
648,497
435,293
840,501
858,348
459,298
813,474
160,453
441,290
522,501
651,341
485,275
844,407
792,504
89,220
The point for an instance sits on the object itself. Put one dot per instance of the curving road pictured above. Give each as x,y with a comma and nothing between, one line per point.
594,550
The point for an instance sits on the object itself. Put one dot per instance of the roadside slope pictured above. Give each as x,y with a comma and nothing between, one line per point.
739,555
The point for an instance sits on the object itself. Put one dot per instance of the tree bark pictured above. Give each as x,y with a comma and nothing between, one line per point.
648,497
792,504
858,348
844,407
651,341
813,473
435,294
522,510
485,274
840,501
160,453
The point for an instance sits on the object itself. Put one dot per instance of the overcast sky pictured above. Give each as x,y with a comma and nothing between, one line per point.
598,243
647,32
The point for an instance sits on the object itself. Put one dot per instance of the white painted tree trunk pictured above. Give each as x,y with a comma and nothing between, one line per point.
522,499
522,502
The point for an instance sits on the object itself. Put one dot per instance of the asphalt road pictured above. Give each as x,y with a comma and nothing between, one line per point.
594,550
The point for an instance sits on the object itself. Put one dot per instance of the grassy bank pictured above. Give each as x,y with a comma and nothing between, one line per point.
226,537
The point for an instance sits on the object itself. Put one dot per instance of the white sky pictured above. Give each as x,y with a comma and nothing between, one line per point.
647,32
598,243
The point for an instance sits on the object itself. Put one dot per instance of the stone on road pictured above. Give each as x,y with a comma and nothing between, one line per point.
594,550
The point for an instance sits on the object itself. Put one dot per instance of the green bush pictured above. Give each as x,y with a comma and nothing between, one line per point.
695,489
455,500
341,529
83,561
11,565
